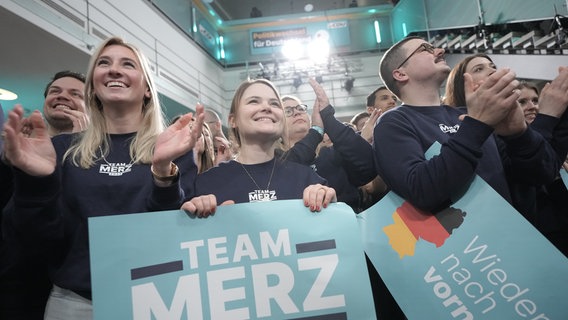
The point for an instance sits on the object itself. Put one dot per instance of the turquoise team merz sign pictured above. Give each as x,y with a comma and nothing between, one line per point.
477,259
269,260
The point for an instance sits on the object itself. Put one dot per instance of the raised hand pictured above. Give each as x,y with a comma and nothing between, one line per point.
321,97
224,152
321,102
553,98
495,100
80,119
27,144
368,128
178,139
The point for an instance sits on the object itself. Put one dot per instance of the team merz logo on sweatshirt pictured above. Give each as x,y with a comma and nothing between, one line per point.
262,195
115,169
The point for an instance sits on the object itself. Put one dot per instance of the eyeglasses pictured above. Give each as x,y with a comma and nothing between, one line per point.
423,47
301,108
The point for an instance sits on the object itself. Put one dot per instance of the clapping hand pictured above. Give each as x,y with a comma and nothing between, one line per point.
178,139
494,102
27,144
553,98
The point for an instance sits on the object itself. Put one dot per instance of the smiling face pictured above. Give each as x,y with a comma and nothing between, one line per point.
257,115
118,78
528,100
384,100
63,93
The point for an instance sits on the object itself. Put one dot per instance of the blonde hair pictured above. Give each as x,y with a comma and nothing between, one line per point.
84,150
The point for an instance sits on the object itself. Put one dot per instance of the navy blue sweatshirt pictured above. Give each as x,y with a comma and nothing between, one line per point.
546,206
402,136
53,211
273,180
348,164
357,154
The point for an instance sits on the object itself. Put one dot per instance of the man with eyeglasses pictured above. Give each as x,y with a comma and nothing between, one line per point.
347,164
414,71
298,121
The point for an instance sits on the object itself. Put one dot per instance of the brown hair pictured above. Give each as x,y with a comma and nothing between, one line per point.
358,117
64,74
371,98
455,84
529,85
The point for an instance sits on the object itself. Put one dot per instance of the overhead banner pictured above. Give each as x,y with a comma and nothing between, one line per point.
265,260
206,34
268,41
478,259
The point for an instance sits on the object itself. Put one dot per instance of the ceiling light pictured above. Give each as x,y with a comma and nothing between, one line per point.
293,49
7,95
318,48
309,7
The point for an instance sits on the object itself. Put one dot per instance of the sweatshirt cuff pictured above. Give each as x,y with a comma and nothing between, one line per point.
169,197
35,188
328,111
473,132
522,141
545,125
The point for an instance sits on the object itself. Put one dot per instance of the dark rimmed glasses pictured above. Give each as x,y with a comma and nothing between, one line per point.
422,47
301,108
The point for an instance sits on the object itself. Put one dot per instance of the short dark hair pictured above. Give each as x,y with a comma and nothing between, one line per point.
390,61
64,74
359,116
371,98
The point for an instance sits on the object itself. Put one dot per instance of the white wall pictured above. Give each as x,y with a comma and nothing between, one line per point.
537,67
181,70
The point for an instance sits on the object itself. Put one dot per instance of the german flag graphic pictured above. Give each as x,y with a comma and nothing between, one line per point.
411,224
